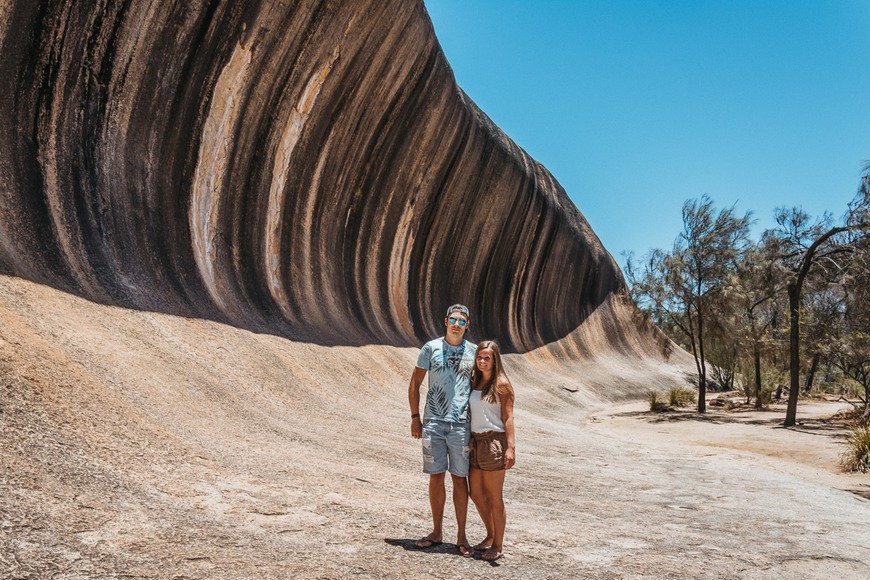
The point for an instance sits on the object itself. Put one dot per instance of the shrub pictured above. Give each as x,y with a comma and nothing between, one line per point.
856,458
681,397
655,404
850,388
766,395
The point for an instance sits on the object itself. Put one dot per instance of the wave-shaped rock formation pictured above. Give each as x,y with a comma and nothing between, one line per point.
306,168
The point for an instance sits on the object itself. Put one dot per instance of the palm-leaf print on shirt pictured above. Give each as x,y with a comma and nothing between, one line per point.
437,404
450,370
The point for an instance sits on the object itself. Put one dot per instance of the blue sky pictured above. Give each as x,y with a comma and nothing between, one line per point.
636,106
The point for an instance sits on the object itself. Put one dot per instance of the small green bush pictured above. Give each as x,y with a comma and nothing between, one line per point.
856,458
681,397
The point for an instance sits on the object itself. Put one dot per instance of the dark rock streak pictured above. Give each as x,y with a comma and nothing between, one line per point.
304,168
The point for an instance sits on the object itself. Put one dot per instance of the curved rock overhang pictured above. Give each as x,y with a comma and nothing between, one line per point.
305,168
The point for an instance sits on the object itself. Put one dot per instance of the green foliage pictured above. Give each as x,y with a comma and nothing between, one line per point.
746,386
680,288
765,396
856,458
771,378
734,305
850,388
722,352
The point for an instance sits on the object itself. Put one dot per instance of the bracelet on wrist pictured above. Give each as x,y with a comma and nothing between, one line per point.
415,415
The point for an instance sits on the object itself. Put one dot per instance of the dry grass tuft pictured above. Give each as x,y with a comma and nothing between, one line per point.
676,398
657,405
681,397
856,457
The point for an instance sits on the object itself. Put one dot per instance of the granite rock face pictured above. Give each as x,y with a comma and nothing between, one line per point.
305,168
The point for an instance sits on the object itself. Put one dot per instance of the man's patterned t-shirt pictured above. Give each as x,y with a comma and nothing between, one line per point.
449,370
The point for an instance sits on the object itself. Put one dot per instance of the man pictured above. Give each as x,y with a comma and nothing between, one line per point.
445,429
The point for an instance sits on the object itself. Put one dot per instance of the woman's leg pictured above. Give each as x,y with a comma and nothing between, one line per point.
478,496
493,484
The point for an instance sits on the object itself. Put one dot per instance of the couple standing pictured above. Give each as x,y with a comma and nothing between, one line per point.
467,429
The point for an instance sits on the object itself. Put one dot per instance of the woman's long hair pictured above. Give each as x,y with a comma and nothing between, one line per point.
498,385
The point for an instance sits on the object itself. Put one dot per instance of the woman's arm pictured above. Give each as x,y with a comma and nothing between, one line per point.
507,415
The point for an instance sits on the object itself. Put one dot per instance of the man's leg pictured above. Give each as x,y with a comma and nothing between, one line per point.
435,464
460,504
458,451
437,499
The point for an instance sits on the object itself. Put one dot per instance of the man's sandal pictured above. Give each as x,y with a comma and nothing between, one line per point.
425,543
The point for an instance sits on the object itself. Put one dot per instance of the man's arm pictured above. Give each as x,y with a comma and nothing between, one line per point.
414,401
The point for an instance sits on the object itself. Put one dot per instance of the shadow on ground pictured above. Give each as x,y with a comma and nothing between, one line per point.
835,426
445,548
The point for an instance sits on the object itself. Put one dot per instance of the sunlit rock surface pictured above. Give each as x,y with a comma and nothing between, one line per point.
308,169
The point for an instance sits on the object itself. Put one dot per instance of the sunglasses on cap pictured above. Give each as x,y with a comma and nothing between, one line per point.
459,321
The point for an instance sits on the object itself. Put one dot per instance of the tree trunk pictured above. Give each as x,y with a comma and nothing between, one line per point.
702,382
814,366
756,354
794,353
702,379
777,394
794,307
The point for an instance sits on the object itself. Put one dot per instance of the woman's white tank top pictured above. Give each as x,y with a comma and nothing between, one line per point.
485,416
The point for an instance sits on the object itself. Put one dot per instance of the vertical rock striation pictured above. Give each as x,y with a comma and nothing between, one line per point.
307,168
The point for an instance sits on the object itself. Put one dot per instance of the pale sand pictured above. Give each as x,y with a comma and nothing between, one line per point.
149,445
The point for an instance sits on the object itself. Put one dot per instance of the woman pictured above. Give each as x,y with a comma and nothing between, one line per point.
492,444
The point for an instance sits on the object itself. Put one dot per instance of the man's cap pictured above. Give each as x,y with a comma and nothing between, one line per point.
461,309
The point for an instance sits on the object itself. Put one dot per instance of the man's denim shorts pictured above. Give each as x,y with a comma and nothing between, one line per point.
445,447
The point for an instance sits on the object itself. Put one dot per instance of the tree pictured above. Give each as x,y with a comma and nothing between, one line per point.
723,350
808,245
756,302
679,288
848,342
821,311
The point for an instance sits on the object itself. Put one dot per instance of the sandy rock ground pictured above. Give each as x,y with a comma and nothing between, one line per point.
144,445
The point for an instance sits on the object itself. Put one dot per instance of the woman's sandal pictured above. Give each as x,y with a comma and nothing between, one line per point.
491,554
